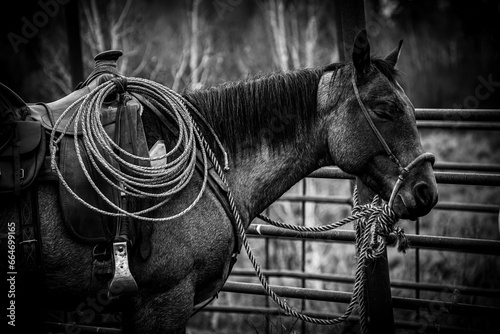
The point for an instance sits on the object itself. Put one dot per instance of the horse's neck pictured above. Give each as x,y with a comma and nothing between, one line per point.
260,178
260,172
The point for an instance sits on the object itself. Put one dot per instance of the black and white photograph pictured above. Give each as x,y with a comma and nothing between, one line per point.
250,166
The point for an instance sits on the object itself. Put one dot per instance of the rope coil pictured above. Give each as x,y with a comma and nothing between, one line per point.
159,182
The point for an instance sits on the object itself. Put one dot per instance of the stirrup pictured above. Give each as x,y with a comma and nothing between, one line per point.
122,283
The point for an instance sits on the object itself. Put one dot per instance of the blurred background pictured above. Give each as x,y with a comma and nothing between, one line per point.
450,49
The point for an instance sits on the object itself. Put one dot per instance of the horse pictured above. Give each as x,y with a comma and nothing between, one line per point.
277,128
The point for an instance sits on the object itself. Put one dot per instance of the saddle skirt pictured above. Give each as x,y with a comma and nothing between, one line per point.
122,122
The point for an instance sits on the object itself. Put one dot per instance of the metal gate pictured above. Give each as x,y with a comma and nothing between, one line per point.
473,174
426,314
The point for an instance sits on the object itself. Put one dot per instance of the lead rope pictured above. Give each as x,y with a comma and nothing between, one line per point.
374,225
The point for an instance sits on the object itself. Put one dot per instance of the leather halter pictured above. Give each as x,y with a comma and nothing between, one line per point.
403,171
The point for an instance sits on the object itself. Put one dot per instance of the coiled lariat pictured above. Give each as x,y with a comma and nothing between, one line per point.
142,180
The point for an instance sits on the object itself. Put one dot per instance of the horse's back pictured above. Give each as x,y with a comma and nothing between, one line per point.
195,247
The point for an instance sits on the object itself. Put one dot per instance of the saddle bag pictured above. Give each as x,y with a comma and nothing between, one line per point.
21,157
22,144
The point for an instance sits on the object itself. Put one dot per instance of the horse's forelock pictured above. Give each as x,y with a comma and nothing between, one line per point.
389,71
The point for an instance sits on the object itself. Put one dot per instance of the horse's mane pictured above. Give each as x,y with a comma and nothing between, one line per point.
274,106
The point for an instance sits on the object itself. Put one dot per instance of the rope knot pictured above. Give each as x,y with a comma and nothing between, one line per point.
120,84
356,209
402,240
376,229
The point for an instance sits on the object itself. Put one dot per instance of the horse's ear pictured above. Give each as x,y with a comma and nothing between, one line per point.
392,58
361,53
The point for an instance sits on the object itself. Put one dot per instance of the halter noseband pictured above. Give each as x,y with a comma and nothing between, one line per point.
403,171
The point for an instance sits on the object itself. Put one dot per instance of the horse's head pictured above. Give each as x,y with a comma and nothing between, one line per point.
377,159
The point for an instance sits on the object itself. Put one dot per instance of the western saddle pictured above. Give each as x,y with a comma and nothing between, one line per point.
23,162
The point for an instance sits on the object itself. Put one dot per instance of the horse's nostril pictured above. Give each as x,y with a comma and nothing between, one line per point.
423,194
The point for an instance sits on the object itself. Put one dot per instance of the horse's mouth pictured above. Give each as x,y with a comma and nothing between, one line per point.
408,206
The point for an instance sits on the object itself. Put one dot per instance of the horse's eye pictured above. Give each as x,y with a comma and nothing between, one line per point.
383,113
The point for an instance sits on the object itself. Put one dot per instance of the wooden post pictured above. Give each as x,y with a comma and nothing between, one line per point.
381,317
350,21
74,42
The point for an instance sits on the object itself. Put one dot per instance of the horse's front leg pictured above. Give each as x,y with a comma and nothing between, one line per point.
159,312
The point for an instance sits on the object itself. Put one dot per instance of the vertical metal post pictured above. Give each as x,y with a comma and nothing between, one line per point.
268,265
350,16
381,317
351,20
74,42
417,260
303,253
417,266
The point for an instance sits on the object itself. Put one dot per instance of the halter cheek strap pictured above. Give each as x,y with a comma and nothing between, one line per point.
403,171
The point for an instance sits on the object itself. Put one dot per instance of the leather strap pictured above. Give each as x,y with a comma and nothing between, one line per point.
129,131
217,187
403,171
158,114
16,156
197,115
97,72
372,125
30,244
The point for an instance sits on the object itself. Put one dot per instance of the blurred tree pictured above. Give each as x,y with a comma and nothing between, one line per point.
194,65
294,30
115,25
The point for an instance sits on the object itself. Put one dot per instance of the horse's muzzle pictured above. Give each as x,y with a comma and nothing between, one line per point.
418,199
415,196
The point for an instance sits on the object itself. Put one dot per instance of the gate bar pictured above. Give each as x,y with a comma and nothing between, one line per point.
345,297
347,200
346,279
468,245
275,311
478,179
458,125
468,166
478,115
